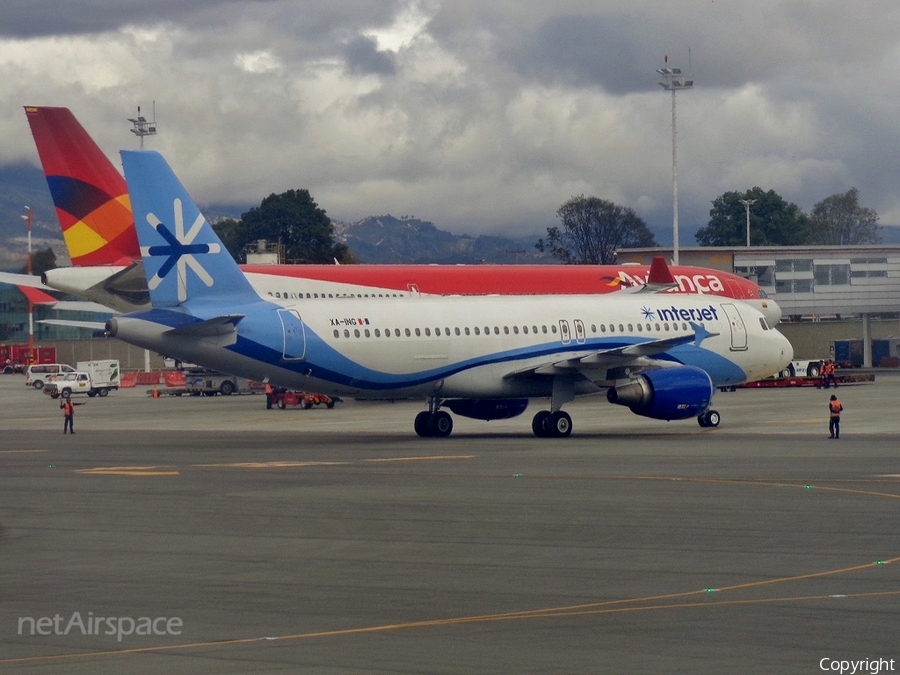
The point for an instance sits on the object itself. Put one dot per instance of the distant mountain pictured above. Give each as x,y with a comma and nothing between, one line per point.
23,185
376,239
387,240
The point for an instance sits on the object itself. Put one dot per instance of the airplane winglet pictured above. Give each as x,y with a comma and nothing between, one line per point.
700,333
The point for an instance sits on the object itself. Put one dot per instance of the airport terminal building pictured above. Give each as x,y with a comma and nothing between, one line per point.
809,283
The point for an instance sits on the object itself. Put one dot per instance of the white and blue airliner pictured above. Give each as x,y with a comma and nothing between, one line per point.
661,355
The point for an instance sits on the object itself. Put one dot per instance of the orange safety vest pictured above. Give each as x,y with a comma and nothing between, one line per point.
835,407
68,408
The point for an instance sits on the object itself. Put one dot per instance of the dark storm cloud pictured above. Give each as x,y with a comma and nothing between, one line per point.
582,50
363,58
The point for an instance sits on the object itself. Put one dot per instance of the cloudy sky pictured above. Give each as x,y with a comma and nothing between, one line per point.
479,116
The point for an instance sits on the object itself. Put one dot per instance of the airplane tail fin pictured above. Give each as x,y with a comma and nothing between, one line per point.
660,274
90,195
184,259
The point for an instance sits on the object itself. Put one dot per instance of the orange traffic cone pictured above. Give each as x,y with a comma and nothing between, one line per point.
156,393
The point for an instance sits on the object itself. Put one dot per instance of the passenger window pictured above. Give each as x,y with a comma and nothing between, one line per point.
337,333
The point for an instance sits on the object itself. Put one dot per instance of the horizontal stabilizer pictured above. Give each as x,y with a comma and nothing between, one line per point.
87,325
81,306
29,280
220,325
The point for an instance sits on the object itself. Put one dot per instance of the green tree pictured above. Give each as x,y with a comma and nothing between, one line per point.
773,221
41,261
592,230
292,219
839,220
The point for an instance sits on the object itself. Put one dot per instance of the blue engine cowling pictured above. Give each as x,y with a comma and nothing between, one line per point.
666,394
487,409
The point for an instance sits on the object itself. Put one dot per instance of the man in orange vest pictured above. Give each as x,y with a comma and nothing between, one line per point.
68,409
270,396
834,417
829,374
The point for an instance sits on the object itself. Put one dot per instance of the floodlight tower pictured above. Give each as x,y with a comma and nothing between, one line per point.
674,80
143,127
747,204
29,218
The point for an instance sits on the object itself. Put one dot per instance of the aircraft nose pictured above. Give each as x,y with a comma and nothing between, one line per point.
772,311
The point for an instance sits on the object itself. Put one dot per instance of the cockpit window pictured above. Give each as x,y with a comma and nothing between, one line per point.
764,323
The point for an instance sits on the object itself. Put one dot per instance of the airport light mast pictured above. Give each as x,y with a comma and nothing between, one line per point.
142,126
674,80
29,218
747,204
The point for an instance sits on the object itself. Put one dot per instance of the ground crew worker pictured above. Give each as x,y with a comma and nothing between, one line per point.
270,396
829,374
834,417
68,408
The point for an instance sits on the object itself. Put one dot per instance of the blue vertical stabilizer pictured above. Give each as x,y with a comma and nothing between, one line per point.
184,259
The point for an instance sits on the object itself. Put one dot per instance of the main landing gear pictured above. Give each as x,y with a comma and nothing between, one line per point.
438,424
710,418
546,424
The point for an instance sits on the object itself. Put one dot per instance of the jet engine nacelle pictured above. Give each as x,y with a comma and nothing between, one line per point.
487,409
666,394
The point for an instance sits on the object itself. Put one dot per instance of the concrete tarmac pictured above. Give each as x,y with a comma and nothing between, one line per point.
209,535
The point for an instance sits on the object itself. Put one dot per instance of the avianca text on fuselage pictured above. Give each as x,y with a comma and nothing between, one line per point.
698,283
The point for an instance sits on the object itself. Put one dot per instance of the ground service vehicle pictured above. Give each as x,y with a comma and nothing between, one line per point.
285,398
94,378
38,375
210,383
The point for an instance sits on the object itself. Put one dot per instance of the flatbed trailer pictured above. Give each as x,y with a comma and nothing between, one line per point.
797,381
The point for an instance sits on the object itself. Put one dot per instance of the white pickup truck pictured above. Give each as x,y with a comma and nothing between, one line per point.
94,378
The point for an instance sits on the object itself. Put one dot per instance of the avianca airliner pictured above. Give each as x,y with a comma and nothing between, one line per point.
660,355
93,208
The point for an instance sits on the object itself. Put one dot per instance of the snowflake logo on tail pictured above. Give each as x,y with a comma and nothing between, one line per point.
179,250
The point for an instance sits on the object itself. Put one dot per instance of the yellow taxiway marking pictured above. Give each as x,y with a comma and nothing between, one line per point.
127,471
586,609
419,459
266,465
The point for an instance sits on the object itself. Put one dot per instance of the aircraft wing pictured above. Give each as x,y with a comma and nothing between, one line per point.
639,356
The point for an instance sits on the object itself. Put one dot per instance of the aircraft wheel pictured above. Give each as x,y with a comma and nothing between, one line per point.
440,424
558,424
537,423
421,424
710,418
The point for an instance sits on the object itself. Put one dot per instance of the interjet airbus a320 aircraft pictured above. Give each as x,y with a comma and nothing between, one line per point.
95,216
479,356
